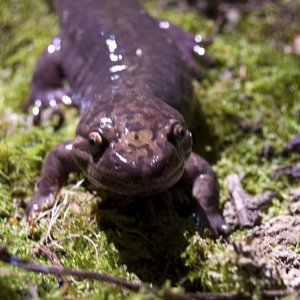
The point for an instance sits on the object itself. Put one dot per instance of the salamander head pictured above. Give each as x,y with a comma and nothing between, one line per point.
132,146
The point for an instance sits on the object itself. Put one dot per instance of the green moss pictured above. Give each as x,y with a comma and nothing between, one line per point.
150,240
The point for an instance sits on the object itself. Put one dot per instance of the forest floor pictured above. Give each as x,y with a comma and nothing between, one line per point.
249,116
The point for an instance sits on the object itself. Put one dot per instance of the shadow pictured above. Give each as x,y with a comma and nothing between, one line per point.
150,233
205,141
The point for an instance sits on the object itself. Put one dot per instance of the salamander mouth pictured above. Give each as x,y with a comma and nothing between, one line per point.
136,188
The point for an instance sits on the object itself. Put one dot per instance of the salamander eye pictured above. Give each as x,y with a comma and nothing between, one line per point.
179,132
95,138
95,141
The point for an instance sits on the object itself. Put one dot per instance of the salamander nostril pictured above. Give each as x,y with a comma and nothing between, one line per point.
136,137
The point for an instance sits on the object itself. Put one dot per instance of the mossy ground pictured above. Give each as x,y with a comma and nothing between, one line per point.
150,241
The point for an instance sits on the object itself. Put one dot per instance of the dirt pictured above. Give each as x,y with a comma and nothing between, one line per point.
274,247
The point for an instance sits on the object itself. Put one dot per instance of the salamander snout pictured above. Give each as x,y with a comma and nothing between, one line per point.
143,161
146,167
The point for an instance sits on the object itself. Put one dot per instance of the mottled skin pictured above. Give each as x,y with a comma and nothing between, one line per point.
129,74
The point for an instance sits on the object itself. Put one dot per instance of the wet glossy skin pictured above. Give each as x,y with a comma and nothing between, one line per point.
125,90
129,75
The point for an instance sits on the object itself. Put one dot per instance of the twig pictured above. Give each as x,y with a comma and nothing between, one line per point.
246,205
14,260
51,255
61,280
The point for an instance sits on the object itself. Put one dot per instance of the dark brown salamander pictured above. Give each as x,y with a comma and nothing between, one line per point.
129,74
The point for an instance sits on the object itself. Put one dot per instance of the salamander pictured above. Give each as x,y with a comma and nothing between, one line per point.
130,76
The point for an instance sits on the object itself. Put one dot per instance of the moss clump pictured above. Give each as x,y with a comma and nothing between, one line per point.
254,81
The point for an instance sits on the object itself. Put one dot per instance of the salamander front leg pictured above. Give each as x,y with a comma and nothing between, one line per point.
59,163
202,181
47,89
